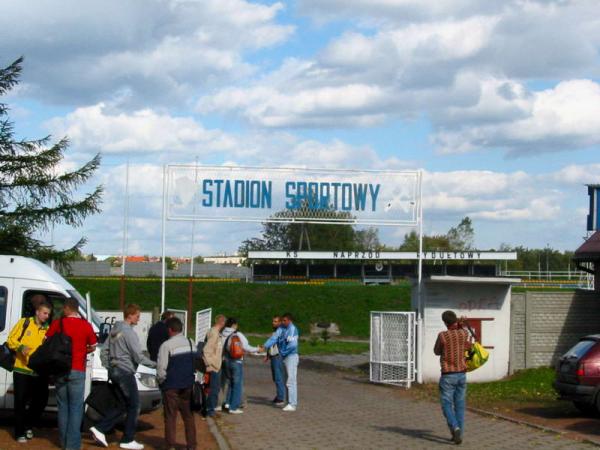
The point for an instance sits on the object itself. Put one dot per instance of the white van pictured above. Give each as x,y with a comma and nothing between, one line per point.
20,279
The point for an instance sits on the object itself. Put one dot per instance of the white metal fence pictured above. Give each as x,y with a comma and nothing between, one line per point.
392,359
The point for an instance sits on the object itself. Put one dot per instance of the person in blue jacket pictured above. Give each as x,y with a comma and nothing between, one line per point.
286,339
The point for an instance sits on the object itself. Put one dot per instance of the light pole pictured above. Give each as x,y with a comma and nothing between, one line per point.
547,265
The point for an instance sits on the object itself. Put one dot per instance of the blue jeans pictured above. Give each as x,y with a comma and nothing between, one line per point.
453,387
291,370
128,387
235,377
70,390
277,374
214,387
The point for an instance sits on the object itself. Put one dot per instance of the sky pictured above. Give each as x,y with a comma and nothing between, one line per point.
498,102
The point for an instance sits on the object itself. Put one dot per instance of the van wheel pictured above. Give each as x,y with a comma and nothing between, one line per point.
589,409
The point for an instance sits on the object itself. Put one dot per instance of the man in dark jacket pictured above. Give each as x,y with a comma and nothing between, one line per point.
175,373
157,334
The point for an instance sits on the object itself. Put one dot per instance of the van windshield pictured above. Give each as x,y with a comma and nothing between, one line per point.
95,319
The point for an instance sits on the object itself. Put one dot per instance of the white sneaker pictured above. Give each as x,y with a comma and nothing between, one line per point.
289,408
236,411
98,436
131,445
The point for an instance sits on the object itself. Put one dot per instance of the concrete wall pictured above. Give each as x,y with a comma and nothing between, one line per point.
544,325
103,269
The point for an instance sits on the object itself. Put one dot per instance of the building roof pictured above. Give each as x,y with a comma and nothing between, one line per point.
590,250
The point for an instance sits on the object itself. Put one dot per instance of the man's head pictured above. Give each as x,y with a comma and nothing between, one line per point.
37,299
167,315
276,322
220,321
70,307
174,326
131,313
231,323
287,319
42,311
449,318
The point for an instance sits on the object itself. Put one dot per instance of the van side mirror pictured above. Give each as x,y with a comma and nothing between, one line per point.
104,332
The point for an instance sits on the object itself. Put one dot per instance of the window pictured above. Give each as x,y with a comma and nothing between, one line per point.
55,299
580,349
3,306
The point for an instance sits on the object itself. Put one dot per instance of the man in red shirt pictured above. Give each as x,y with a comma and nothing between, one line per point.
451,346
70,388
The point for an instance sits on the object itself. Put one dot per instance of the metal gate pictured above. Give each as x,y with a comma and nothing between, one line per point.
392,358
203,323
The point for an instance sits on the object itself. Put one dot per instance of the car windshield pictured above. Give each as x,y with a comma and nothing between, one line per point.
95,319
580,349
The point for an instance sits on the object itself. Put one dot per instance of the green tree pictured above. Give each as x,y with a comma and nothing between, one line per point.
462,236
35,194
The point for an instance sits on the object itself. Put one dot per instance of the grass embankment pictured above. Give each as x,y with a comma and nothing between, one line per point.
254,304
318,347
530,386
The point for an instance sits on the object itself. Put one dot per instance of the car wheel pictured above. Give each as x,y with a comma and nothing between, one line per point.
589,409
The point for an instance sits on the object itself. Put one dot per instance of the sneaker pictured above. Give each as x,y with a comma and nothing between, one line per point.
236,411
29,434
279,403
457,436
219,408
99,437
22,440
289,408
131,445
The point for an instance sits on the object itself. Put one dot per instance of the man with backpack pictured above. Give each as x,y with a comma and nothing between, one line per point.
121,355
451,346
234,347
286,338
70,388
30,388
175,373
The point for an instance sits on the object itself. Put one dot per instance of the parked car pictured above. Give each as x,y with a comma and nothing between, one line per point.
578,375
20,279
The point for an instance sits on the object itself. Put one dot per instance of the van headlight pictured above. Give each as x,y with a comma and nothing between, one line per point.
148,380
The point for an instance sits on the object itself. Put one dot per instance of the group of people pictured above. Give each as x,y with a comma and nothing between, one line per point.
223,353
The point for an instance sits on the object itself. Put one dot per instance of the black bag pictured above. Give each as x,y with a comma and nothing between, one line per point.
7,355
53,357
105,398
199,364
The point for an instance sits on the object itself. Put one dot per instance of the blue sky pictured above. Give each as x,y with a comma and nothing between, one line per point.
498,102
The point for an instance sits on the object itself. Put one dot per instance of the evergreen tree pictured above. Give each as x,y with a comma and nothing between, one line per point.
34,194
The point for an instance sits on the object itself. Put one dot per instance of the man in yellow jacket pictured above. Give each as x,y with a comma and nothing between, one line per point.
30,390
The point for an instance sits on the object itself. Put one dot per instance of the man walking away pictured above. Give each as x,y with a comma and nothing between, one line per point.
451,346
30,389
175,373
276,366
70,388
121,355
234,347
213,358
157,334
286,338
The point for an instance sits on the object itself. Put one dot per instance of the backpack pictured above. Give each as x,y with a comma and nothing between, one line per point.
234,347
7,355
54,356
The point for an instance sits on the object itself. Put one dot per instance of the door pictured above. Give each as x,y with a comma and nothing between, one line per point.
6,285
392,359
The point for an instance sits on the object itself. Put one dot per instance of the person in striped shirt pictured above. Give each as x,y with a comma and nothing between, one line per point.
451,346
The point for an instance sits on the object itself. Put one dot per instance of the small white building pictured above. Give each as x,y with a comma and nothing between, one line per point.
485,302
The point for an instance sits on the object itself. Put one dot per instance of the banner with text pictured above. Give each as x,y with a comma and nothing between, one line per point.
253,194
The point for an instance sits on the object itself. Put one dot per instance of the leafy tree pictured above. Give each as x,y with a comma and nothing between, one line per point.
198,259
34,193
434,242
462,236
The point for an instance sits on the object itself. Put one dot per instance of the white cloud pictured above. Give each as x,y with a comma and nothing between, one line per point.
139,51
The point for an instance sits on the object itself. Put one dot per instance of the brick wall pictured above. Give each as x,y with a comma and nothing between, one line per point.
544,325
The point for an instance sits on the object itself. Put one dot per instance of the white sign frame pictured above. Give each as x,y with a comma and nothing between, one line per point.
463,255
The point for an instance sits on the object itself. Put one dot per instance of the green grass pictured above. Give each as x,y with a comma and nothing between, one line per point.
530,385
254,304
320,348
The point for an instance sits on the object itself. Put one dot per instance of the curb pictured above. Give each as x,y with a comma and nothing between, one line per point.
214,430
566,434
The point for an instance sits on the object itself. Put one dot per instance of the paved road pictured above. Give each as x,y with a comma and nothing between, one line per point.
339,411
